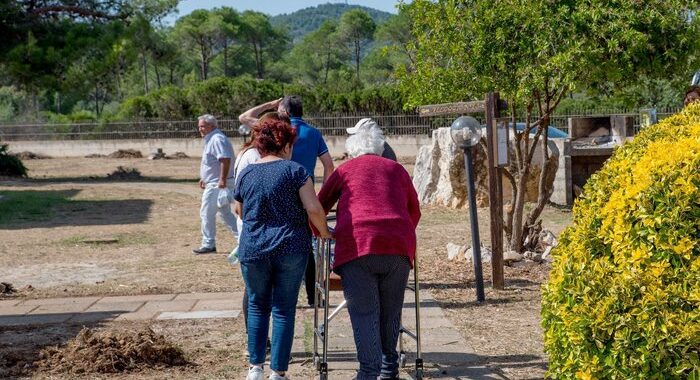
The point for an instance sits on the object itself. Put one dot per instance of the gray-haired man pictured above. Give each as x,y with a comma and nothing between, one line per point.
216,174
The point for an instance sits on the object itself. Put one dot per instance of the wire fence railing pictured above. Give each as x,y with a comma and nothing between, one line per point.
408,124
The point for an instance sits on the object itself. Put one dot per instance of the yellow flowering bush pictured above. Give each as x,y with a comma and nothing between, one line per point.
623,298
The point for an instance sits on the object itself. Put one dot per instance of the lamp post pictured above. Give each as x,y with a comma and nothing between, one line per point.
466,133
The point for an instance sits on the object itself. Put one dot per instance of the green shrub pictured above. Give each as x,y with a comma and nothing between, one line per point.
10,165
623,298
170,103
137,107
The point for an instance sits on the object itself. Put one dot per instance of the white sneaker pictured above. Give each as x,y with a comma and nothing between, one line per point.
255,373
274,376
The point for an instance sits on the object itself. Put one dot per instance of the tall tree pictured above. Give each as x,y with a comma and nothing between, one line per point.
534,52
228,33
396,34
264,40
356,29
199,32
317,54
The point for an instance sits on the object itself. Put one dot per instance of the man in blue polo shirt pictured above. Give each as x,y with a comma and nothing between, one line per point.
306,150
309,145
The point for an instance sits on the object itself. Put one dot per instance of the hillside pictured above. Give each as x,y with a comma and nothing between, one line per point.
307,20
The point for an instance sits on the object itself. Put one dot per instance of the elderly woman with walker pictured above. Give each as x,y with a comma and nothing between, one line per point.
375,247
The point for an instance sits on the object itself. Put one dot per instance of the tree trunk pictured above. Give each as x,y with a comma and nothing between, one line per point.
328,64
144,63
357,59
97,99
544,192
204,59
258,59
225,57
155,66
118,81
516,240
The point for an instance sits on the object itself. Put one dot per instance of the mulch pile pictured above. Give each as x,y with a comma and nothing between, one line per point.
6,288
124,174
178,155
111,351
26,155
125,153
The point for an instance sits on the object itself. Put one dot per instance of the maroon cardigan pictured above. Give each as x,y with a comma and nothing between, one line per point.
378,209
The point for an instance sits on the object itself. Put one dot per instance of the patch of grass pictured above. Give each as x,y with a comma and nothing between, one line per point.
309,336
136,238
29,205
123,239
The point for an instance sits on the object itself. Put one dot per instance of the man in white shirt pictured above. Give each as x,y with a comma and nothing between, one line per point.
216,174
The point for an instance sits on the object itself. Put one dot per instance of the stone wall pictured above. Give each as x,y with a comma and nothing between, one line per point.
402,145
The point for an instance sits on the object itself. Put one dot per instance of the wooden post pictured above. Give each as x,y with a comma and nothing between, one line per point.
495,190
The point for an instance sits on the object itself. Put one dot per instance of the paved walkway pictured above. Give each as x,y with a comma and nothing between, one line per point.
445,352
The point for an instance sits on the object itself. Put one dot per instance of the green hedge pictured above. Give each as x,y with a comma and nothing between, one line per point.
229,97
623,298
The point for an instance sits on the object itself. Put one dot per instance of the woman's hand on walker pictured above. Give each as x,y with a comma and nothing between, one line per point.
325,234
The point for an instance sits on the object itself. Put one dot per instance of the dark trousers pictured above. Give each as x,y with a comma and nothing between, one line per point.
374,287
310,278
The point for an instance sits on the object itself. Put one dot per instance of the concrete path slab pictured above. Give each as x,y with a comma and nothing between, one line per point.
204,314
445,352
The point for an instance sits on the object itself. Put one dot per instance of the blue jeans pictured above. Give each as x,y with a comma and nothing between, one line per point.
273,288
374,287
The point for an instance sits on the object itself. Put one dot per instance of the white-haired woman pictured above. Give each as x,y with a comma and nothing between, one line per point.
375,245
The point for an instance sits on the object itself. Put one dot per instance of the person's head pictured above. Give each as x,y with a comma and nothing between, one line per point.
291,106
266,116
206,123
692,95
274,116
365,141
274,137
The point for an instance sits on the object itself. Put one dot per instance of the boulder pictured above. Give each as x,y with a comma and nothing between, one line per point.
485,254
455,251
440,179
511,256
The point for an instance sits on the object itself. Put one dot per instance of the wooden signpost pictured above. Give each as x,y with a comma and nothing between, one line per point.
452,108
497,152
496,146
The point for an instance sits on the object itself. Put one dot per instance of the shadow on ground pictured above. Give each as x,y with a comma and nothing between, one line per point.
100,179
445,365
22,209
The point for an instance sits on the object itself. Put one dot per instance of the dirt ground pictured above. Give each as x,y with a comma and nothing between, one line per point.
129,238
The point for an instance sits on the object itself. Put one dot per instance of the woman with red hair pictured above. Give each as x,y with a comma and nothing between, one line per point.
275,198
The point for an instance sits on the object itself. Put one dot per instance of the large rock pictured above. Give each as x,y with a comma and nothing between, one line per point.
440,179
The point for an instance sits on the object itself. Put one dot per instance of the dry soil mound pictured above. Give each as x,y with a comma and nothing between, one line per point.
126,153
111,351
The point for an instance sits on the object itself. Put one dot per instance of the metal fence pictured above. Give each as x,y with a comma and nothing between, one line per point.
409,124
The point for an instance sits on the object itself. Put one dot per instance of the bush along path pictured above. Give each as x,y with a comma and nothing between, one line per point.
623,299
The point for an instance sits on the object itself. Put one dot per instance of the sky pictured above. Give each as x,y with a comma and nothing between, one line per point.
275,7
